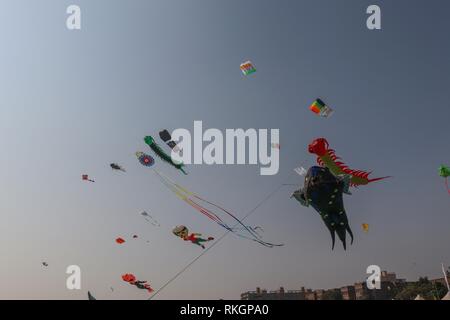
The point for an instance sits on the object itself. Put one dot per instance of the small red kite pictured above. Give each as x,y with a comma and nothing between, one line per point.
120,240
131,279
85,177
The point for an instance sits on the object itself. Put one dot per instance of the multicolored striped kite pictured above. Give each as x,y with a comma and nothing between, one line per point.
319,107
247,68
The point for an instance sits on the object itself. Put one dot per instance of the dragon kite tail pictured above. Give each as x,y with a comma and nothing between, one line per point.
327,157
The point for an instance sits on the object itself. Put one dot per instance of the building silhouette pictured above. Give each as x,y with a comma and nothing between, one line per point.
357,291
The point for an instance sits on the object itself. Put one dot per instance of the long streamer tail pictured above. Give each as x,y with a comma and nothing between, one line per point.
189,197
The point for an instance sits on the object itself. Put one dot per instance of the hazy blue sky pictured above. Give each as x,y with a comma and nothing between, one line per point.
74,101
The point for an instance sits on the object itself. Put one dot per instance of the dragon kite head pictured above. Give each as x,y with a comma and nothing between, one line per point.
149,140
318,147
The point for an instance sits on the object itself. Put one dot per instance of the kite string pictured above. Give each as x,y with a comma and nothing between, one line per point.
215,243
445,277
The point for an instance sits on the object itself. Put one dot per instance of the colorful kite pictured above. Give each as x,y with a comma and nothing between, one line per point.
319,107
85,177
327,158
444,172
160,153
323,191
120,240
167,138
216,213
365,227
183,233
131,279
145,159
150,219
247,68
115,166
275,146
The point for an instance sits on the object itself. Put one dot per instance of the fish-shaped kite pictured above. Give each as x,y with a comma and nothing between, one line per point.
323,191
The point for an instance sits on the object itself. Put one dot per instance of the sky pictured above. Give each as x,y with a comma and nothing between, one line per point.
72,102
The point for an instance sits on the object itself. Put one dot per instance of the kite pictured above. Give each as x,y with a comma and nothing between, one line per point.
145,159
150,219
300,171
115,166
160,153
135,236
275,146
319,107
365,227
444,172
85,177
183,233
131,279
217,213
247,68
327,158
120,240
323,191
90,296
167,138
45,264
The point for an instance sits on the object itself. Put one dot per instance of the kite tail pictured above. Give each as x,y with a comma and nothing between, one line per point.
254,235
230,214
184,195
188,197
378,179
